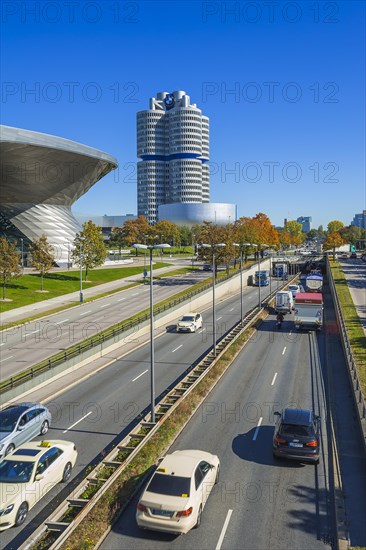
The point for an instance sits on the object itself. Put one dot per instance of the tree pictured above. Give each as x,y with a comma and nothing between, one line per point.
353,234
43,256
334,226
294,229
117,238
185,235
332,241
9,263
212,234
312,234
136,231
167,232
89,249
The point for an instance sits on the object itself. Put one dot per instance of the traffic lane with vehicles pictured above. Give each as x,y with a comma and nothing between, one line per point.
95,412
355,274
260,502
25,345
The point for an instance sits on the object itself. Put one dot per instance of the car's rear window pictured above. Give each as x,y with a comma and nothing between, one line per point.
175,486
294,429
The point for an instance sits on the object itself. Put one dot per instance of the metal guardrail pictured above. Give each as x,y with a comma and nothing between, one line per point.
98,339
86,495
352,370
105,473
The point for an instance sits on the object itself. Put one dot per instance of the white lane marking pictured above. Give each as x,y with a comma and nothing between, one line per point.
85,312
145,371
33,332
223,530
218,319
290,333
98,319
232,309
284,350
136,294
5,358
200,331
274,379
146,290
77,422
177,348
105,305
257,428
3,344
63,321
121,299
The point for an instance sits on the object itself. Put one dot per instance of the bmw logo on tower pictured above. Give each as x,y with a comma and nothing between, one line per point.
169,101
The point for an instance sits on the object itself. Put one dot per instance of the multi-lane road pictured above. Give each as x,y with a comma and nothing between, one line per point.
260,502
25,345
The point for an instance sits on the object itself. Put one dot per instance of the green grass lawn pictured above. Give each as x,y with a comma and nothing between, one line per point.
23,291
353,324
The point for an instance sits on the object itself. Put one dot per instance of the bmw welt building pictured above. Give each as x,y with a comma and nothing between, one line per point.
41,177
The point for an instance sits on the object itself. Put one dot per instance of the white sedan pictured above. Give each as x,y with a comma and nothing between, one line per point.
294,289
190,322
177,492
28,473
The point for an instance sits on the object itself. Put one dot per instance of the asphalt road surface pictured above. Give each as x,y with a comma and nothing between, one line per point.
274,504
25,345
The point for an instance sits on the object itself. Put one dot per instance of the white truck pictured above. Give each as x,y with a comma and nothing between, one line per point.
284,301
314,282
308,310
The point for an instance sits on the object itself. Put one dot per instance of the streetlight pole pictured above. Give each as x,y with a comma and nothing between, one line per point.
152,350
22,258
259,275
213,247
241,245
81,272
68,255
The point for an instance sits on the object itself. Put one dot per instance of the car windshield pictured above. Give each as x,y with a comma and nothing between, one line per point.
292,287
15,471
187,318
8,420
294,429
175,486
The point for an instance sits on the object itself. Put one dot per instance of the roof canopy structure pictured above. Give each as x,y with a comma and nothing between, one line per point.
41,177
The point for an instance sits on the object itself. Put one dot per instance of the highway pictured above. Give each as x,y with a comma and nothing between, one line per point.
267,503
274,504
25,345
95,413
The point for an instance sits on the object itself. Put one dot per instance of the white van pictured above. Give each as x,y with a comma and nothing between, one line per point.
284,301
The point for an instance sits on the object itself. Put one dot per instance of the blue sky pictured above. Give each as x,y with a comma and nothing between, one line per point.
289,140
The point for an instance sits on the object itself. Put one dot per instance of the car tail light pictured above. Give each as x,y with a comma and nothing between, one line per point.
280,440
312,443
185,513
141,507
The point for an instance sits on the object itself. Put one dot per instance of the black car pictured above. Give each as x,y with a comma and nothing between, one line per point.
297,435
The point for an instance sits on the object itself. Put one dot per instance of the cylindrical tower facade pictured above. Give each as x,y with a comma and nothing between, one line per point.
173,144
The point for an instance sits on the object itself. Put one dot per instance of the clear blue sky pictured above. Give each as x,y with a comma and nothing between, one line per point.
289,142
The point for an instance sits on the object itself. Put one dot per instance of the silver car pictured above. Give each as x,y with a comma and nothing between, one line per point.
21,422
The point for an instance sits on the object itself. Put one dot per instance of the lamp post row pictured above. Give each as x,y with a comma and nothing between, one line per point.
213,249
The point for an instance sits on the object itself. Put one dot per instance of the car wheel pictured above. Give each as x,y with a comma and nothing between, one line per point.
199,518
217,478
21,514
44,427
67,472
10,448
